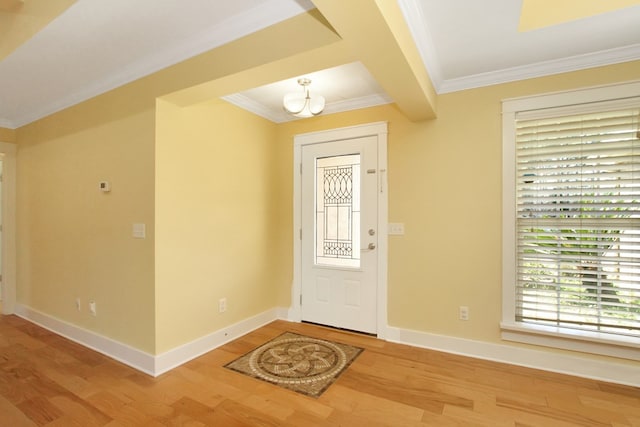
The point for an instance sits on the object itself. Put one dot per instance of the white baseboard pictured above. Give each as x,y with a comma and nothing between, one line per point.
179,355
619,373
140,360
124,353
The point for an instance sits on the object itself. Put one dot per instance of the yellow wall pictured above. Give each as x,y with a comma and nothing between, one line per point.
75,241
7,135
215,216
214,185
445,178
23,21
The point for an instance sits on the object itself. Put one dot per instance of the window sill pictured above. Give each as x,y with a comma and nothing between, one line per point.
569,339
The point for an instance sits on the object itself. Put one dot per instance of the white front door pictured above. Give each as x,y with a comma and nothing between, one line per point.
339,244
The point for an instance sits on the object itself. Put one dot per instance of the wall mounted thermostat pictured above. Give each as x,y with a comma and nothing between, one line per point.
105,186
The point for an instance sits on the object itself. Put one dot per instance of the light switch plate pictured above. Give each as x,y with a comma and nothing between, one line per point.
139,231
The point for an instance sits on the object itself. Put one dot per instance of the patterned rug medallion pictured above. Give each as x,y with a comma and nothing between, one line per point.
303,364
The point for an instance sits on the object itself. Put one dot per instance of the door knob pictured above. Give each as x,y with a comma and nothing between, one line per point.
371,246
372,232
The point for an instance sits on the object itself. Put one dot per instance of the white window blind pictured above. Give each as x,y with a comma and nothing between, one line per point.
578,221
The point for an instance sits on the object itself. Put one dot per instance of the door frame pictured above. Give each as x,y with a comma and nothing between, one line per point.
8,206
379,130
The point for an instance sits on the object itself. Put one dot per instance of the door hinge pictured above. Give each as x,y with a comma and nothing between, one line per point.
300,168
300,234
300,299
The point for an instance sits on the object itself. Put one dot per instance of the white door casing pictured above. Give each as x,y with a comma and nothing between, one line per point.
355,296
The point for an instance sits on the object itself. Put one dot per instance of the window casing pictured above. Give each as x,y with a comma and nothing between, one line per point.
571,215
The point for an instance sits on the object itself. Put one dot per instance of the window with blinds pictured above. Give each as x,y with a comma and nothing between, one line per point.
578,221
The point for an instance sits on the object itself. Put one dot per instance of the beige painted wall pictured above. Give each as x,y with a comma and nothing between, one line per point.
22,22
215,216
75,241
214,187
7,135
445,180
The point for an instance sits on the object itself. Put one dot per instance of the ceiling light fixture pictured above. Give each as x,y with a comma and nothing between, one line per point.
301,104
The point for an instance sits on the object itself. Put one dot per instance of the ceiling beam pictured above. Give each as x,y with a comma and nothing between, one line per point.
305,62
378,36
19,20
10,5
536,14
302,44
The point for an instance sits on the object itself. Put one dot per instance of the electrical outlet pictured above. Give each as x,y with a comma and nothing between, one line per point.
222,305
92,308
396,228
463,312
78,304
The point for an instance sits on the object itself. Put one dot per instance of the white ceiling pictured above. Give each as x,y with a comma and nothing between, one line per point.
467,43
347,87
96,46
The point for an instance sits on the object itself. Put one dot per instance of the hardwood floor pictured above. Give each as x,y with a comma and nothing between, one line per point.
46,380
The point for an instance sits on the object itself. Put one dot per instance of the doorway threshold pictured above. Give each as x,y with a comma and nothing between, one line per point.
336,328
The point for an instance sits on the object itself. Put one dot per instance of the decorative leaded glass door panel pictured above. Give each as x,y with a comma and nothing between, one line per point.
339,235
337,221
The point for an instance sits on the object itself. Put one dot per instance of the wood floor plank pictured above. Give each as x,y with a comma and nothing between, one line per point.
11,415
46,380
40,410
230,413
80,410
68,421
118,410
406,392
629,407
477,417
564,414
364,405
450,387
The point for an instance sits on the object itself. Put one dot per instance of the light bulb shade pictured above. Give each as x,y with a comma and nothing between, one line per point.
294,102
316,105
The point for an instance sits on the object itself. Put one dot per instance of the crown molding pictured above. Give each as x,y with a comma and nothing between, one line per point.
541,69
246,103
357,103
414,16
267,13
276,116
